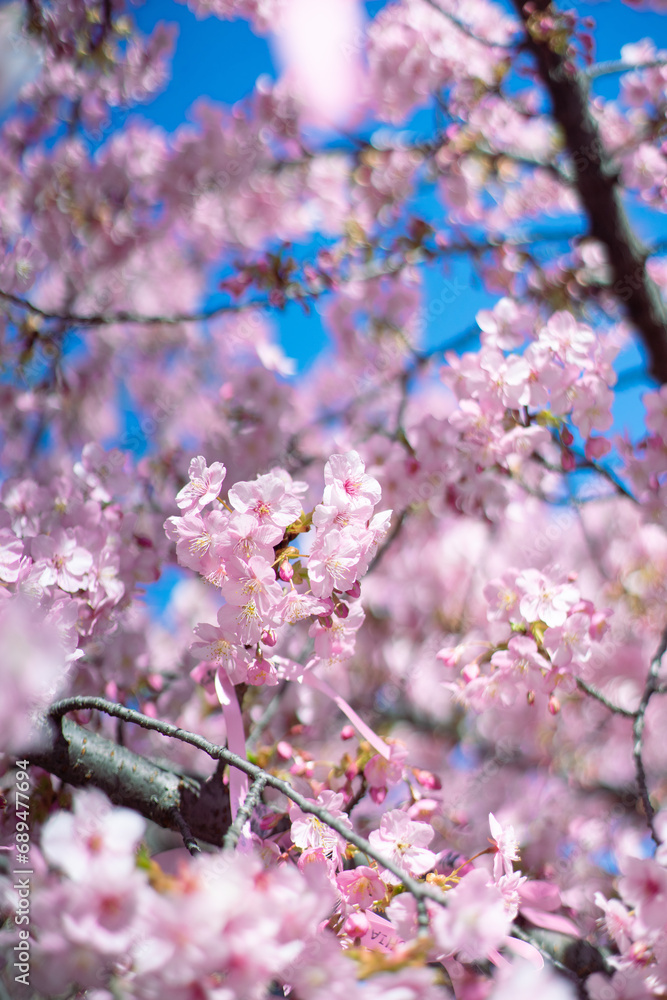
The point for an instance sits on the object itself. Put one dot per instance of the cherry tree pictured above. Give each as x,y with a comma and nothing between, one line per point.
394,725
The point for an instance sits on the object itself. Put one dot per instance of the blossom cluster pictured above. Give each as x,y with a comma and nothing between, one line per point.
636,924
553,632
112,237
565,369
244,548
108,919
71,559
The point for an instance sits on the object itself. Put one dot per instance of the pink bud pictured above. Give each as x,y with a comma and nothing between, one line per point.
356,925
566,436
326,621
554,705
568,460
347,732
426,778
286,571
269,637
354,591
449,655
284,750
378,795
341,610
470,672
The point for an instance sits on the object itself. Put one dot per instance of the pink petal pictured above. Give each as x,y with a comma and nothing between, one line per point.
550,921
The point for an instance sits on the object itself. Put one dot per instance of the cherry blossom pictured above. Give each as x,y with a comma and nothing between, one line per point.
412,576
204,485
506,847
404,842
268,499
347,483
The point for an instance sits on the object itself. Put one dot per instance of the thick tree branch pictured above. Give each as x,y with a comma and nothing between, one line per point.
596,180
574,958
82,758
420,890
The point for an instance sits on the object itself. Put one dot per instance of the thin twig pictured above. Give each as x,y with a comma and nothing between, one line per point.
650,689
382,267
606,473
245,812
465,29
391,537
357,797
594,693
186,833
123,316
612,66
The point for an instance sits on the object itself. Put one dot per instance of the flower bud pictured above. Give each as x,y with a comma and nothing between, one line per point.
269,637
356,925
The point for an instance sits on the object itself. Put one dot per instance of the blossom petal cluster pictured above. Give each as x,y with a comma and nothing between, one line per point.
245,548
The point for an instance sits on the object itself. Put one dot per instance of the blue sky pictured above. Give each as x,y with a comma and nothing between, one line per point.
222,59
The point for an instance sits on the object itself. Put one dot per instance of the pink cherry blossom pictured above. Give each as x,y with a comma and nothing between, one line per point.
333,562
475,920
94,832
404,842
268,500
253,580
204,485
543,600
506,847
347,484
309,832
361,887
66,562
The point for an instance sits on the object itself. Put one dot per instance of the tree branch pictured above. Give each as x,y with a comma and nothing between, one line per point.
110,319
596,180
245,812
465,29
82,758
594,693
420,890
379,267
613,66
650,689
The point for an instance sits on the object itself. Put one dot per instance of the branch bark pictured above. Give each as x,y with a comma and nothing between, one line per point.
597,182
82,758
